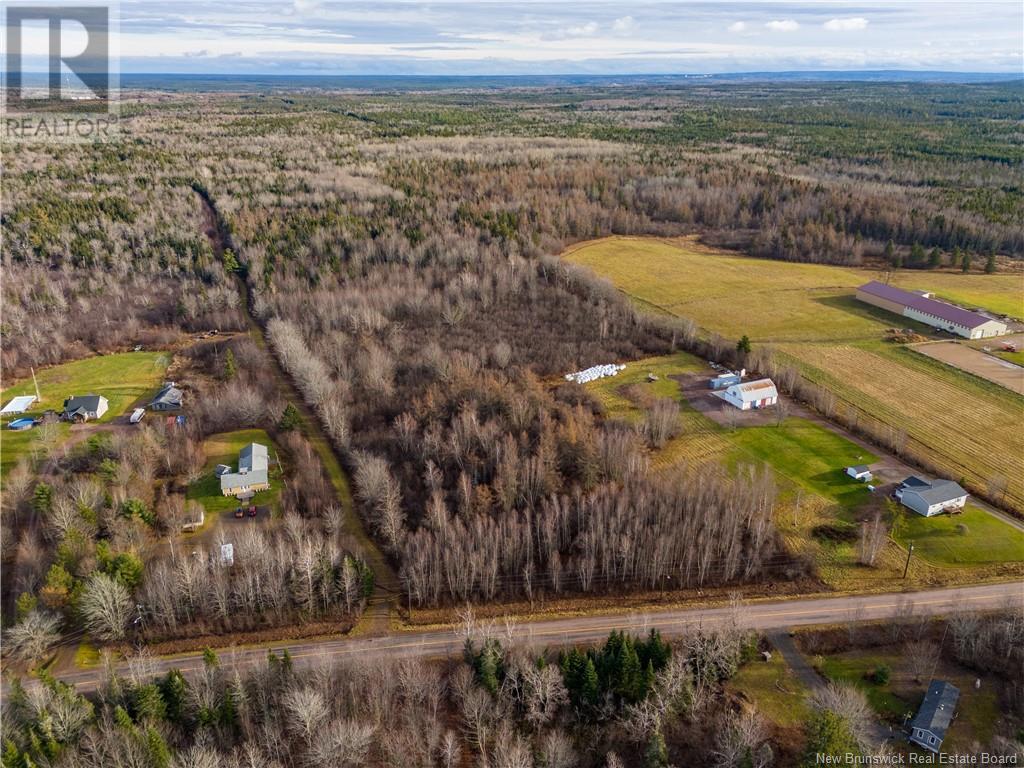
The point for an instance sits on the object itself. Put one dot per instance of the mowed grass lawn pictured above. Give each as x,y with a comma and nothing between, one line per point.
808,312
223,449
778,694
123,379
810,456
941,540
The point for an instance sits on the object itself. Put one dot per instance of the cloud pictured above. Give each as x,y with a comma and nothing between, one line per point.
846,25
784,25
582,30
738,26
623,24
196,54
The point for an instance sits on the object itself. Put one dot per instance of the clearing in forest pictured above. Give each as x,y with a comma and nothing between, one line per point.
121,378
223,448
964,425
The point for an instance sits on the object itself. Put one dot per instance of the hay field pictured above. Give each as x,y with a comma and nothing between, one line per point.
969,427
1002,293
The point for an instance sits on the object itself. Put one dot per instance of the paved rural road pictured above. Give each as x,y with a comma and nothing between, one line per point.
560,632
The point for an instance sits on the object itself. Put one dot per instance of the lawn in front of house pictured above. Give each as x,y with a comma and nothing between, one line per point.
973,537
778,694
810,456
223,448
123,379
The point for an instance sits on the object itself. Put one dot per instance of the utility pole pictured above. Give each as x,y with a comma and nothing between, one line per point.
906,567
34,381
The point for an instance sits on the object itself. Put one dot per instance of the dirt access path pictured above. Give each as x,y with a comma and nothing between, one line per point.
974,361
385,598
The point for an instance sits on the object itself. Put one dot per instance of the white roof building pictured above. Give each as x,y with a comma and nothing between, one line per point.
751,394
19,404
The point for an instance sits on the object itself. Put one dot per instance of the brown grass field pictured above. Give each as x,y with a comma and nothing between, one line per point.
966,426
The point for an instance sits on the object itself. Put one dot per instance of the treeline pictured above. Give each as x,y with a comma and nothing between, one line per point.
501,706
648,534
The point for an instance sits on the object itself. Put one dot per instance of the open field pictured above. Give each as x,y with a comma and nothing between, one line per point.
981,539
967,427
123,379
1001,372
999,293
223,449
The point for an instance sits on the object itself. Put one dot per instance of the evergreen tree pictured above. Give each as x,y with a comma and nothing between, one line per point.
990,263
210,658
230,368
42,499
965,262
290,419
890,253
174,690
935,259
916,256
743,345
656,752
590,686
654,650
159,752
828,734
956,257
147,704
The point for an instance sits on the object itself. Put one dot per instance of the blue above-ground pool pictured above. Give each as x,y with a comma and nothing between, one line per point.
24,423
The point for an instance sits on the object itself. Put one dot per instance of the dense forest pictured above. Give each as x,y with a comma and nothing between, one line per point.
400,252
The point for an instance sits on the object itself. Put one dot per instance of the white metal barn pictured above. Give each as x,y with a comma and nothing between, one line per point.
752,394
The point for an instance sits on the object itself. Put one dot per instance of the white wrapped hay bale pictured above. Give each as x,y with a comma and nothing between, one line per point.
595,372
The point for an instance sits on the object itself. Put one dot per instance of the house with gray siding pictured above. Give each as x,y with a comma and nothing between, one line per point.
929,726
930,497
253,472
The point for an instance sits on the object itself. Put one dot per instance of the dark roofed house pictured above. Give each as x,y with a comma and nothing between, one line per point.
929,726
938,314
84,407
167,399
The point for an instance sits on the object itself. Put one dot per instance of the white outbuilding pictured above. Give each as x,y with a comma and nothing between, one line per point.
751,394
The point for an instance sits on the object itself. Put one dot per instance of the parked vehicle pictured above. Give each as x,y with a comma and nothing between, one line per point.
137,415
239,513
252,511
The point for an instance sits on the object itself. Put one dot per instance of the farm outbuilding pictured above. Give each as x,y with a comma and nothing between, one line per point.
752,394
920,306
19,404
930,497
724,380
859,472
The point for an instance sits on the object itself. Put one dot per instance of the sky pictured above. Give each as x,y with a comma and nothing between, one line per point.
450,37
